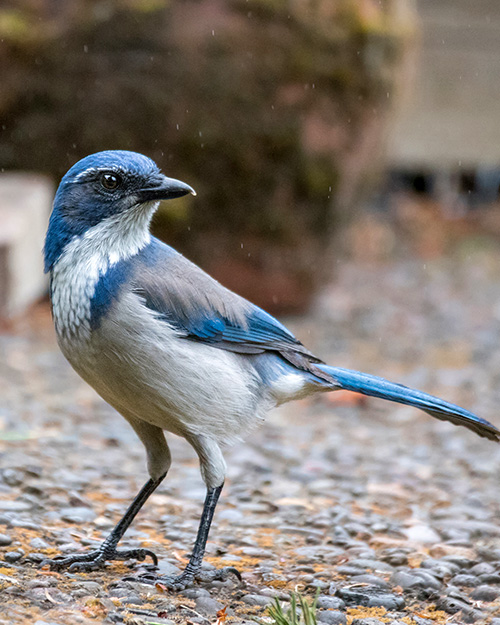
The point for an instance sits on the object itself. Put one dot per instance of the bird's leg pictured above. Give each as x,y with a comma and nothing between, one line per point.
193,570
95,559
213,470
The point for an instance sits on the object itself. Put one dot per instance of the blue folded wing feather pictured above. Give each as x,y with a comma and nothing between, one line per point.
203,310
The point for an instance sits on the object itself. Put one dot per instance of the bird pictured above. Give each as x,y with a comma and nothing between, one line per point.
169,347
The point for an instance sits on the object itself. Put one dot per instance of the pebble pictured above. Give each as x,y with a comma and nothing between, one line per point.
39,543
13,556
415,579
367,578
12,477
332,617
485,593
257,600
440,568
79,515
422,534
482,568
371,596
5,540
14,506
394,557
208,606
367,621
464,579
451,605
92,588
330,603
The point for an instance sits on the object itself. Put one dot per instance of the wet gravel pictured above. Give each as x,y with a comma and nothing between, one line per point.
392,515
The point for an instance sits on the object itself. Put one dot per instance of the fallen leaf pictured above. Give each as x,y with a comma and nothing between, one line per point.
221,616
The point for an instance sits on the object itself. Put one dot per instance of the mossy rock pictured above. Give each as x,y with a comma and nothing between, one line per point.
258,104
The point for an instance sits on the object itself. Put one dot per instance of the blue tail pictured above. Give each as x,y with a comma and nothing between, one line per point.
378,387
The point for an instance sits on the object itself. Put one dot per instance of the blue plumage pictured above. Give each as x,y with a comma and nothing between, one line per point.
168,346
107,290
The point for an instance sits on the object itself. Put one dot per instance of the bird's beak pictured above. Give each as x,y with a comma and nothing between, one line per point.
163,188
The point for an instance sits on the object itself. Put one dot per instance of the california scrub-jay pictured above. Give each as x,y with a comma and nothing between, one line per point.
168,346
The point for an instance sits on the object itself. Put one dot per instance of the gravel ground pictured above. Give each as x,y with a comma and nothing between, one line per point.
393,515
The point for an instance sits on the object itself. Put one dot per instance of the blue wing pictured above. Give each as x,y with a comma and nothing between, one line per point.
203,310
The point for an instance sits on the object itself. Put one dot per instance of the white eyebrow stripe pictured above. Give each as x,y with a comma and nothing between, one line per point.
96,170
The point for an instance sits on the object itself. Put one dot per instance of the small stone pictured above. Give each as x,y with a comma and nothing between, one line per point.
367,578
167,569
490,554
482,568
12,556
371,596
5,540
469,581
371,565
330,603
36,557
387,601
194,593
440,568
451,605
487,578
14,506
207,605
39,543
422,534
92,588
485,593
394,556
416,579
12,477
257,600
332,617
471,615
79,514
367,621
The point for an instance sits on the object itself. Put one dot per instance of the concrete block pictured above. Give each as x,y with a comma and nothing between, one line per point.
25,204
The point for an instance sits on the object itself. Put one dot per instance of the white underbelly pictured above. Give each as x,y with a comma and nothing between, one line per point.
141,367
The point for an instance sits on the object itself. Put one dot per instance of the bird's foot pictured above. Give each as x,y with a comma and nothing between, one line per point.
186,578
96,559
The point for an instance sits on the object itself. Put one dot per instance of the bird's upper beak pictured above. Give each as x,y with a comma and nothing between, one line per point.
163,188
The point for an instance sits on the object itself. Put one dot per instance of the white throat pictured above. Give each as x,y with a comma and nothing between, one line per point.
88,257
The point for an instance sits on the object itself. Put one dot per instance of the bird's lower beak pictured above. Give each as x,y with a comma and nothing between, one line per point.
165,189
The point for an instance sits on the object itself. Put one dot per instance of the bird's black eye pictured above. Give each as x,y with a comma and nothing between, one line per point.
110,181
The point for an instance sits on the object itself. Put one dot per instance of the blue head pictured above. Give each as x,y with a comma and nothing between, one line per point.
100,186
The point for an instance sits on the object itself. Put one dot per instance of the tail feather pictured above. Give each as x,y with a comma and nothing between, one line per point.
378,387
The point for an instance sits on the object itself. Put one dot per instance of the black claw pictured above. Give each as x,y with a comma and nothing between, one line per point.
182,581
220,575
94,560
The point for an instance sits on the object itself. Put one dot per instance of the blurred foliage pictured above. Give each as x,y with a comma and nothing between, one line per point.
256,103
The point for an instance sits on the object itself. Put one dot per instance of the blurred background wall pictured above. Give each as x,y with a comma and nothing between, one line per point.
276,111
